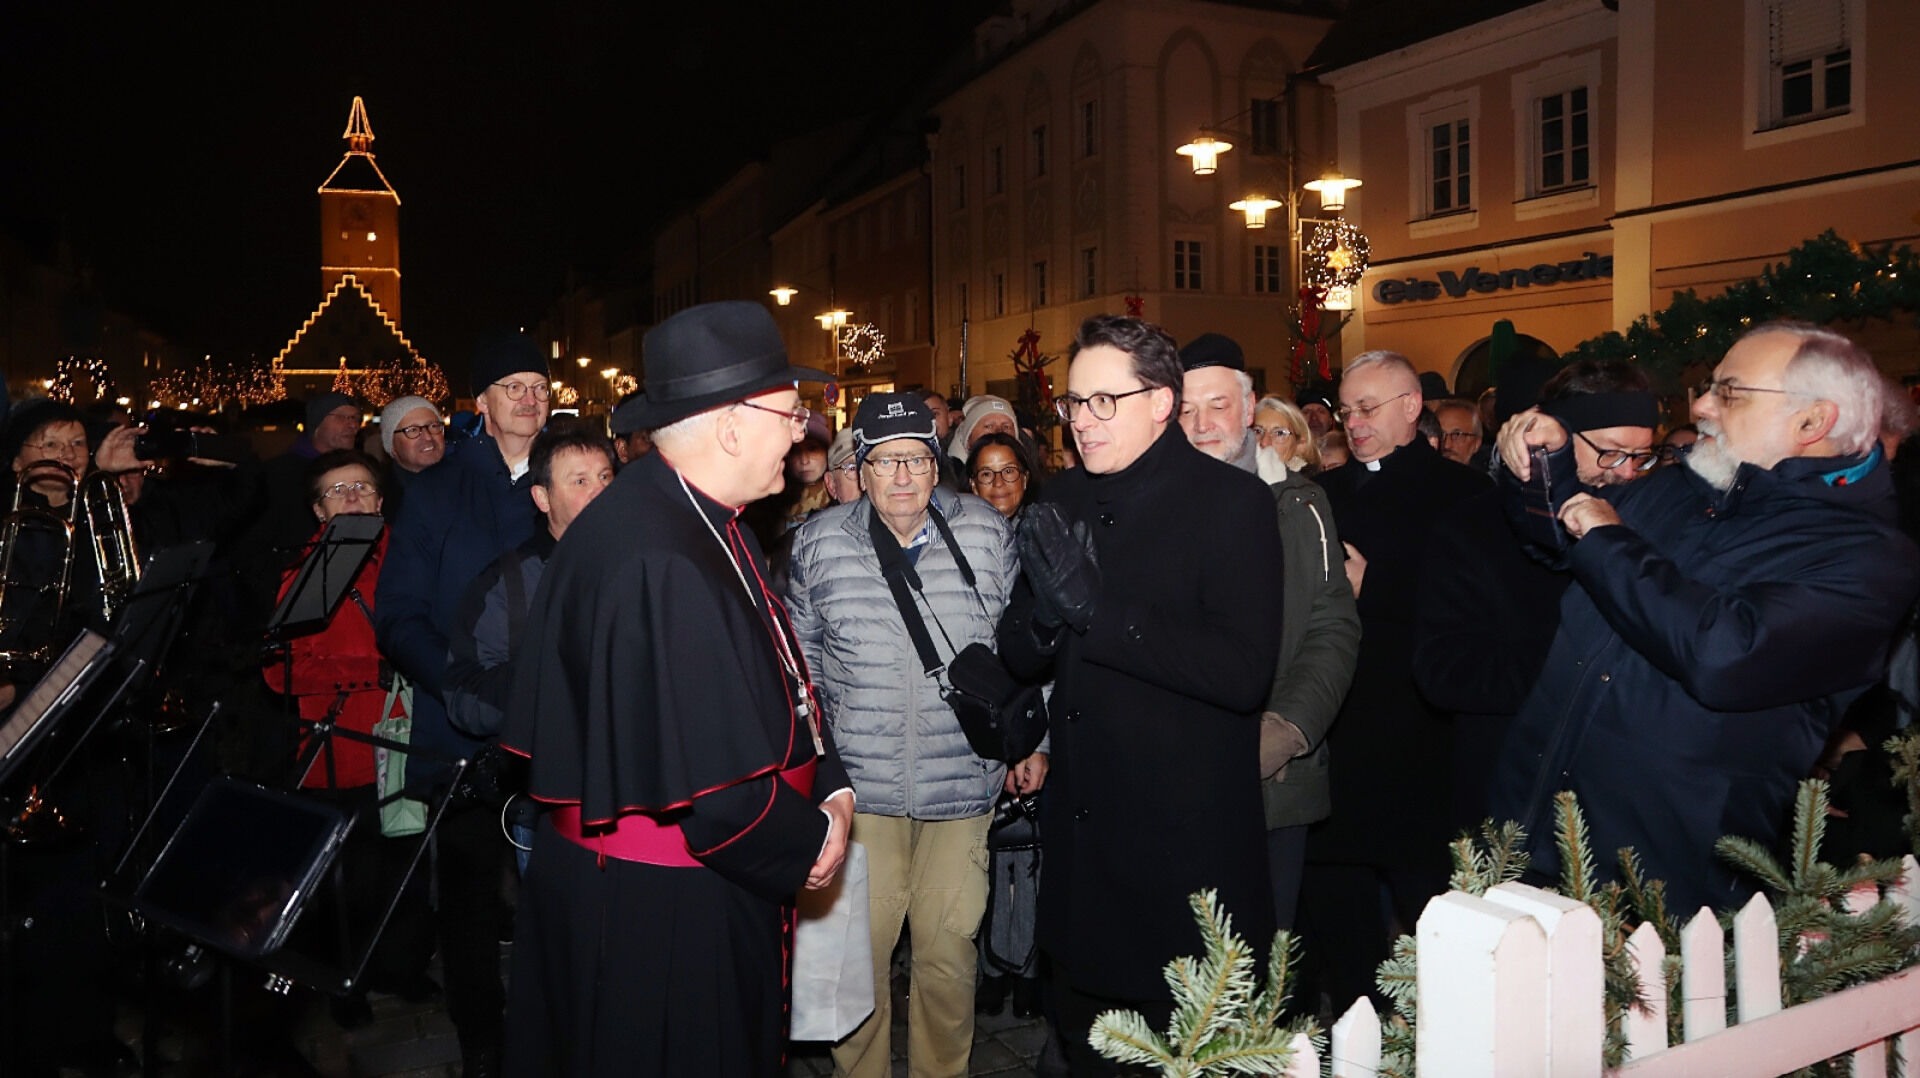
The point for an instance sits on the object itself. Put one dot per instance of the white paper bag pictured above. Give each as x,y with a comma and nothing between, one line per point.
833,955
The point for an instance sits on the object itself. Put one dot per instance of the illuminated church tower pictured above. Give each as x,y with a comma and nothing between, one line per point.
360,221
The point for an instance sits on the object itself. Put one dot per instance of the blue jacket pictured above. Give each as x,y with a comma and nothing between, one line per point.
1711,642
459,516
486,633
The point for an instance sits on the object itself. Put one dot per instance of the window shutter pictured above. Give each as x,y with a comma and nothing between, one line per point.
1797,29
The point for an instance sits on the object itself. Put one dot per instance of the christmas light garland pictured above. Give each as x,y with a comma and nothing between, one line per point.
1336,256
862,344
68,372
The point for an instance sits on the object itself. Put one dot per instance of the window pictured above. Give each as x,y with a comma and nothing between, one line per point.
1089,128
1809,59
1040,150
1263,117
959,187
998,298
1186,264
1039,284
1266,268
1089,272
996,171
1560,138
1450,167
1441,134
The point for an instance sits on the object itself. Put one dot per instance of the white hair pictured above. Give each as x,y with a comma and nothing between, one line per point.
1381,357
1458,404
1246,383
681,432
1829,366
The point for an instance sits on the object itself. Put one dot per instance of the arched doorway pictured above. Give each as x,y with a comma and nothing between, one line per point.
1474,372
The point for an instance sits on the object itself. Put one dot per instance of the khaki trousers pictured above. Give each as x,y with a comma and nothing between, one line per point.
932,874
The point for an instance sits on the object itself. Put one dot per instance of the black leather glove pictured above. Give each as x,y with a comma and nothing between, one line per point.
1060,564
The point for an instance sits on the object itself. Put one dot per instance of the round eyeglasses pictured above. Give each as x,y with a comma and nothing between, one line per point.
517,390
413,433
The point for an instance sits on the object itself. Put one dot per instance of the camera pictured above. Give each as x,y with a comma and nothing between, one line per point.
182,445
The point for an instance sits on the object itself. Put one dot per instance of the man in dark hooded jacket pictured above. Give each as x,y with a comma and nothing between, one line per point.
1724,615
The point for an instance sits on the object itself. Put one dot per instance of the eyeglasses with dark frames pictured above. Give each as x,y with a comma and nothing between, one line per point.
1008,474
517,390
1609,459
1102,405
414,433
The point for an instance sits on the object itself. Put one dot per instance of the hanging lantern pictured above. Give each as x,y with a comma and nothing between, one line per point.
1255,207
1333,189
1204,152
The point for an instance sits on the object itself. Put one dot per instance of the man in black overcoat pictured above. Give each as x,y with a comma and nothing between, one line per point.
673,737
1389,751
1151,575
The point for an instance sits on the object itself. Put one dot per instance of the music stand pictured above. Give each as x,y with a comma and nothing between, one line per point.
325,575
51,699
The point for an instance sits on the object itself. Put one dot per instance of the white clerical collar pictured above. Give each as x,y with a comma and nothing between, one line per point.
1372,465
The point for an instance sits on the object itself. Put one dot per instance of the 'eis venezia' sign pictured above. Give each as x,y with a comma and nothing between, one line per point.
1458,285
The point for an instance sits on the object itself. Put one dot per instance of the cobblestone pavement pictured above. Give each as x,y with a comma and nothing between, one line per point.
416,1040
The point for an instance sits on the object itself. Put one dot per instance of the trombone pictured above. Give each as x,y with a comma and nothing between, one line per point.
116,557
28,628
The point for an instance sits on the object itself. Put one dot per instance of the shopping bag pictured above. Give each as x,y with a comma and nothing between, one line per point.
833,955
400,815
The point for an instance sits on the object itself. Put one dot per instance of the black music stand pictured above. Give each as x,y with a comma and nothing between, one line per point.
325,576
320,585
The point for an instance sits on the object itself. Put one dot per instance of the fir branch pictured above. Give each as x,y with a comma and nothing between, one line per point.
1809,828
1755,860
1575,846
1125,1037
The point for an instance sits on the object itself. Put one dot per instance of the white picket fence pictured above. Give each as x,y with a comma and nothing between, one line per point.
1510,984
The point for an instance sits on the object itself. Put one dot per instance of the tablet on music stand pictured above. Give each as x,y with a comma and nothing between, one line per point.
51,697
240,867
326,574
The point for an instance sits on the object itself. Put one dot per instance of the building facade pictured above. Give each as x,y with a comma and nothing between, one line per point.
1056,192
1571,165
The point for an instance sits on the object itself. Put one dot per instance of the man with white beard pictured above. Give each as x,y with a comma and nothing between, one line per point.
1216,406
1724,616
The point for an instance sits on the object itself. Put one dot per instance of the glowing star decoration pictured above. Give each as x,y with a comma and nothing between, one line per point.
566,396
1336,257
862,344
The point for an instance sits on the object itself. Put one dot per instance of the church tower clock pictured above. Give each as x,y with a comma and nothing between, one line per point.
360,221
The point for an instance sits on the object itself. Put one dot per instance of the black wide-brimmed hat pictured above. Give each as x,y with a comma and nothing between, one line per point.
704,357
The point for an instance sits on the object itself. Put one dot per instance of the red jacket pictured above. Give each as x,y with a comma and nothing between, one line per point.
341,656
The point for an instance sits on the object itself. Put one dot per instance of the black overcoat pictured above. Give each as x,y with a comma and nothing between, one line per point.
1154,790
1390,751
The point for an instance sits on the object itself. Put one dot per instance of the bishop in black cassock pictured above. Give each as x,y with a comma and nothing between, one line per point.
672,735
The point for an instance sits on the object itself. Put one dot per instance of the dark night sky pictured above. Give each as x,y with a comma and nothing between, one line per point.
180,155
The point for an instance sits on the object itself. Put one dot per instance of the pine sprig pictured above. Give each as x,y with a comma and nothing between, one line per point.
1576,848
1221,1024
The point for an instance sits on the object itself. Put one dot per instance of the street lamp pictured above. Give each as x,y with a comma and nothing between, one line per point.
1255,207
1204,151
1332,188
783,295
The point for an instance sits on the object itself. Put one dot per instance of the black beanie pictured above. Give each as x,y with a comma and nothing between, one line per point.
503,357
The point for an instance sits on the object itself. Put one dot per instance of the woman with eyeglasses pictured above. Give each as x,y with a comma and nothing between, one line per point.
1001,471
343,658
1282,428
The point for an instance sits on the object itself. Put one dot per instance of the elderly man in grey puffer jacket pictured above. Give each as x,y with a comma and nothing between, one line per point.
924,799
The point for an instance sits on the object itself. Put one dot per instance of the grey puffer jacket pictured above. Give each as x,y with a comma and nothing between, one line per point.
900,741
